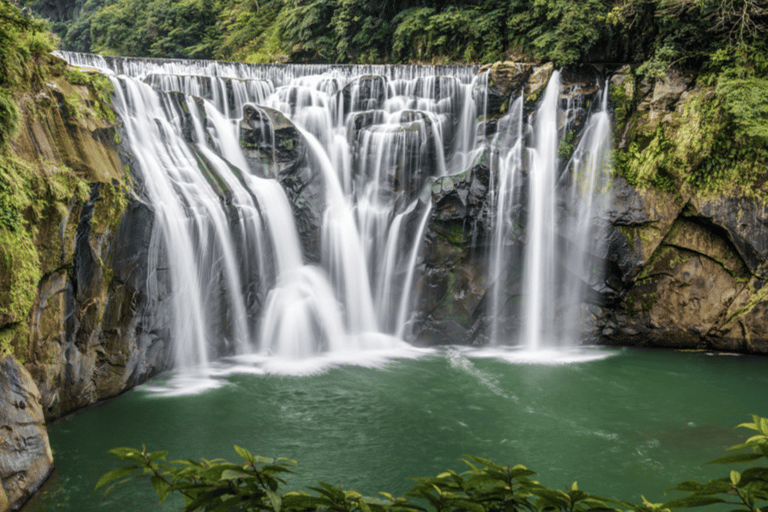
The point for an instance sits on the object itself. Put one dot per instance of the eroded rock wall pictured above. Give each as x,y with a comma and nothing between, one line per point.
75,262
26,459
685,261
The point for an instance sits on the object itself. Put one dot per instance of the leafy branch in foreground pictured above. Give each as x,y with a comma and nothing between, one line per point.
744,489
254,485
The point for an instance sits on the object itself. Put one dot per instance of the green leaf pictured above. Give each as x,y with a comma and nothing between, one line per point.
574,486
157,455
468,505
554,496
687,486
364,507
763,425
245,454
752,426
275,500
387,495
483,480
486,462
302,501
128,454
735,458
735,477
371,500
234,474
115,474
692,501
162,488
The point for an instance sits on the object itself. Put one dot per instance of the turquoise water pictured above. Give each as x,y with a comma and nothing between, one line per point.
621,422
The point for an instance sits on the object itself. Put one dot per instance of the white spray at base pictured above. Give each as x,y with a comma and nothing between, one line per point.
550,213
230,272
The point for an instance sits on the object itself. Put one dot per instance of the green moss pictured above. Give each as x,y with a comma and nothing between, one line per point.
702,145
566,147
9,118
109,207
504,106
756,296
452,232
14,340
648,233
622,100
629,305
101,88
649,299
20,266
678,260
32,204
629,234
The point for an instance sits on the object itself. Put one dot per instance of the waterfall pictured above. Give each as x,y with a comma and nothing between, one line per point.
546,222
293,206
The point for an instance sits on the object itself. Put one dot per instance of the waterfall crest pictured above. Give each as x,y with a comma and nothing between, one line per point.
293,202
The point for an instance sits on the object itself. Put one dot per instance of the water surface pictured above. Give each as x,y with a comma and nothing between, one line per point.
621,422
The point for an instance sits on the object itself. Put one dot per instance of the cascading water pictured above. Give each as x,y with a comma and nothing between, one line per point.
289,206
545,222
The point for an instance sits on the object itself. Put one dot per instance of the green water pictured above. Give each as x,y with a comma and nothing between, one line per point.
632,423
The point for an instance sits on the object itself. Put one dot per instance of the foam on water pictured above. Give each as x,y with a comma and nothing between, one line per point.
229,273
215,375
518,355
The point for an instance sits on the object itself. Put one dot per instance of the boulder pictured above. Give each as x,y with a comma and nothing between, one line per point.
453,280
276,149
271,143
668,90
538,80
745,223
367,92
505,79
26,459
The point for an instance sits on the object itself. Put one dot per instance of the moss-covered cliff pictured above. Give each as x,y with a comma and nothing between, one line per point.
71,250
690,223
687,241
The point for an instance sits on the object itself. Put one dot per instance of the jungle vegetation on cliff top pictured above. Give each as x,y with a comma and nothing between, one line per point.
659,32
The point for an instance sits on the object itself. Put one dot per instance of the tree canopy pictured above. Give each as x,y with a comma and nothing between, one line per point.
657,33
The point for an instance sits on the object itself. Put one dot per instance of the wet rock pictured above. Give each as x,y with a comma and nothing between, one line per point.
694,281
274,148
271,143
538,80
667,91
367,92
504,80
744,221
176,105
358,122
453,283
26,459
409,148
87,339
219,90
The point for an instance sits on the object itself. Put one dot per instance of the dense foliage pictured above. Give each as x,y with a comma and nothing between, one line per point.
24,45
658,32
254,484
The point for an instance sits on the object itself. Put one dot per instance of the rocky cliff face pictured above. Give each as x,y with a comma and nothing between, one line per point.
75,260
686,260
25,455
686,264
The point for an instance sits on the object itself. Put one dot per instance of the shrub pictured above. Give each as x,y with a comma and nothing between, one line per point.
254,484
